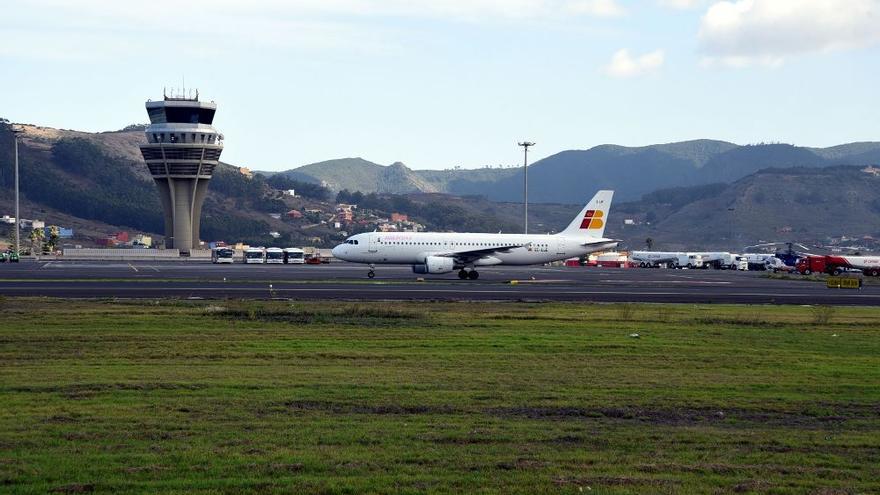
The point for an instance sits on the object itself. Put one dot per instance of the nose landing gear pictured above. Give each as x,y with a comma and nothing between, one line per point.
372,272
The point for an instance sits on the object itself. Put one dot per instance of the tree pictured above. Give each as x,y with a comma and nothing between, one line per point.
52,242
36,237
649,242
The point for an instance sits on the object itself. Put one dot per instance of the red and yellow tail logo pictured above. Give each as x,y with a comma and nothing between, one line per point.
593,219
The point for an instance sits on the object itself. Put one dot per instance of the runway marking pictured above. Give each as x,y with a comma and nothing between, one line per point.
46,264
132,267
689,281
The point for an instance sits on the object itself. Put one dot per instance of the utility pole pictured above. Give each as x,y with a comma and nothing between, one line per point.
16,130
526,145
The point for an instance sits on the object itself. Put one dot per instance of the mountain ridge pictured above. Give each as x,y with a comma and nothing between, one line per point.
569,175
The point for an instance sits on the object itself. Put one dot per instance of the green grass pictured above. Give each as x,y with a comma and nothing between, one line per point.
277,397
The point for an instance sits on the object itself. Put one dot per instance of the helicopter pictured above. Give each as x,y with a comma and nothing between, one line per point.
789,255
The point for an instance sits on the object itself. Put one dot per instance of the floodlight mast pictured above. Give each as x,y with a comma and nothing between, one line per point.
526,145
16,130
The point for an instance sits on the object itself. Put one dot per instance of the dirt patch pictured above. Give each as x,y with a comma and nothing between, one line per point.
751,486
144,469
611,481
382,409
358,314
288,468
827,416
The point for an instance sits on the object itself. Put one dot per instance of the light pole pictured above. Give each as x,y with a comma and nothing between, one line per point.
526,145
16,130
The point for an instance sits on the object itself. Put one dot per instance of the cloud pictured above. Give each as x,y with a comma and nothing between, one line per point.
682,4
597,8
102,29
765,32
624,65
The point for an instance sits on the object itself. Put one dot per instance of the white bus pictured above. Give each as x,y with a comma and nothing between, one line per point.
274,255
222,255
294,256
255,255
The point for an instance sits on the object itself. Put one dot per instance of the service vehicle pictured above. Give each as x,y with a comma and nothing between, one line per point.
869,265
811,264
294,256
718,260
274,255
757,261
222,255
653,259
255,255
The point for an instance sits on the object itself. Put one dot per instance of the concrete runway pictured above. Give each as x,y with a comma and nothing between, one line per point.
343,281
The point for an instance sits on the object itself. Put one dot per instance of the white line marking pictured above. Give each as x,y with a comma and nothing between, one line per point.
132,267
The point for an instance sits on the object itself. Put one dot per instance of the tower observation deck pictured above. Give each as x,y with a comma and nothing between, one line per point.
182,149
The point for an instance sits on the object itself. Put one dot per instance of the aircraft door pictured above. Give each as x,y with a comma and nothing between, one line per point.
373,243
560,245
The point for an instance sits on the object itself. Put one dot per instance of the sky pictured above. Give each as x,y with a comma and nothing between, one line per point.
444,83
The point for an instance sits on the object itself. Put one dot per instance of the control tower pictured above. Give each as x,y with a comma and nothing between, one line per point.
181,152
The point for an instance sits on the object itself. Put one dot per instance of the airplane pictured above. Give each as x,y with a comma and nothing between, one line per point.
438,253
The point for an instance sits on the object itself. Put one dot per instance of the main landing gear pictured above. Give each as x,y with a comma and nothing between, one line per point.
371,273
468,274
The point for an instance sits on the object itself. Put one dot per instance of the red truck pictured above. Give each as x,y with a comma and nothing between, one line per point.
811,264
869,265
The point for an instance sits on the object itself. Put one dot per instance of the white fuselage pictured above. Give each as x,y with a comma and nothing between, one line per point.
414,248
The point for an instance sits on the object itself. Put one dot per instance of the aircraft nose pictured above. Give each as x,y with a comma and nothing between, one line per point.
337,251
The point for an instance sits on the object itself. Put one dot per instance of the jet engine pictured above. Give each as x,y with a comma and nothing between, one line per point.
436,265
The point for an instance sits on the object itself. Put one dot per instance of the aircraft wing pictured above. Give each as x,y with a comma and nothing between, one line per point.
471,255
601,242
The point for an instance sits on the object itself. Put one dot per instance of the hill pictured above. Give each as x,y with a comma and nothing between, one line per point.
817,206
571,176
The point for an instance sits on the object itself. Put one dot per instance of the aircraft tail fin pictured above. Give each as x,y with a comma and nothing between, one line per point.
592,219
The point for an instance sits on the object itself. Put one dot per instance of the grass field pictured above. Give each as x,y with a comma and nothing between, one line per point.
275,397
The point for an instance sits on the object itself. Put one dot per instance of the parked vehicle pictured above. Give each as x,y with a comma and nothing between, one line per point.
718,260
275,255
811,264
777,265
222,255
869,265
255,255
757,261
653,259
690,260
294,256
